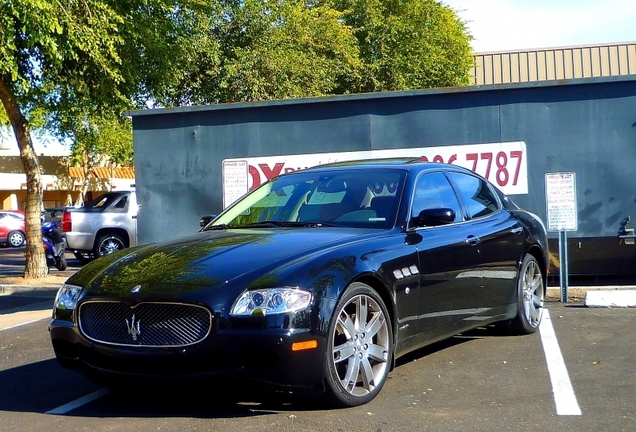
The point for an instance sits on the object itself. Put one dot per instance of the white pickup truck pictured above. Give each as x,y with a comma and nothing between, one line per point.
102,226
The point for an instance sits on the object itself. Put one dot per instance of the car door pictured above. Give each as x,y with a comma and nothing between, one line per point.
500,237
4,230
449,256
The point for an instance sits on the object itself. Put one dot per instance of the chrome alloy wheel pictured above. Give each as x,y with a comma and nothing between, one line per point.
109,244
361,346
532,291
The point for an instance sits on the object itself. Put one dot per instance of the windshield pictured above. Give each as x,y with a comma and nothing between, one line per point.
353,198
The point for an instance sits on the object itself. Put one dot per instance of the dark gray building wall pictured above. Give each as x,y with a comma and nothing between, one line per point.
586,126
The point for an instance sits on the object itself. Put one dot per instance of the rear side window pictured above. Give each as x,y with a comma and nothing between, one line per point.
121,204
477,196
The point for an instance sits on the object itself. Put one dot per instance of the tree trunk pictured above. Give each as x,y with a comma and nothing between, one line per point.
87,167
35,260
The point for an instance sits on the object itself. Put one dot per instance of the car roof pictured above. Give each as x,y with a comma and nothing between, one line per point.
409,164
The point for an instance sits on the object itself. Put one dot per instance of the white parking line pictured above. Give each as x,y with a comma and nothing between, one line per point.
79,402
564,397
10,320
19,325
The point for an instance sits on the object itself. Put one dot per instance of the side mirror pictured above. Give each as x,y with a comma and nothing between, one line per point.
434,217
206,219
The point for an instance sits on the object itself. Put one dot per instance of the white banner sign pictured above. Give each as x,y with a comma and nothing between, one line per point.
504,164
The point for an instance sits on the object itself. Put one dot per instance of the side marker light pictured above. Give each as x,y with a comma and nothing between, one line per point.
300,346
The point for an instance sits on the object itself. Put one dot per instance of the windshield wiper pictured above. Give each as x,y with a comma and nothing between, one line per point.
285,224
217,227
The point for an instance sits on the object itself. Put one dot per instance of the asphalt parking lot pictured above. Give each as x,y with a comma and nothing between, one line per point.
576,373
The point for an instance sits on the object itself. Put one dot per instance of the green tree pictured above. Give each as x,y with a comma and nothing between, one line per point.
260,50
97,55
97,139
407,44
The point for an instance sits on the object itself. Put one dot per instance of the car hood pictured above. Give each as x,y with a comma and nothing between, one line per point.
210,258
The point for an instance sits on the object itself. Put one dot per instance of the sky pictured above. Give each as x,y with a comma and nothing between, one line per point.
508,25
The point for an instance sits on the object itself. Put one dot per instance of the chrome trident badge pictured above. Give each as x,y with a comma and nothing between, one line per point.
134,328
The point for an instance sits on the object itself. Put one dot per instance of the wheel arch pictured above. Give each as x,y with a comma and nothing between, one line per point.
537,253
385,294
113,231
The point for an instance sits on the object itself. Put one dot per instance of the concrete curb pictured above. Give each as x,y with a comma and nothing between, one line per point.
598,296
610,298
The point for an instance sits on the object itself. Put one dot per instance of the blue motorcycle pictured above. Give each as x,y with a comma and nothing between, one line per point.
54,245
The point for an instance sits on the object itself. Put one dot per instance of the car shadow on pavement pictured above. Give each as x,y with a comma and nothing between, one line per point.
45,385
492,330
40,386
180,400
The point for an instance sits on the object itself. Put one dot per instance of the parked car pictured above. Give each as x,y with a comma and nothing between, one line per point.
206,219
315,282
12,228
102,226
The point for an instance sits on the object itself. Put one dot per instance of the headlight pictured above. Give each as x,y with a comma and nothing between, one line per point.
67,296
271,301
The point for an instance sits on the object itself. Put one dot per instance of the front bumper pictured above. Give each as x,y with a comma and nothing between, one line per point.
259,355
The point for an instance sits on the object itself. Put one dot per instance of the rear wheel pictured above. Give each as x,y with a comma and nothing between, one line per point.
359,347
108,244
61,264
530,295
15,239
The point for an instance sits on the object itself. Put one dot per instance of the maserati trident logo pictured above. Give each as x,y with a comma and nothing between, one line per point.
135,289
134,328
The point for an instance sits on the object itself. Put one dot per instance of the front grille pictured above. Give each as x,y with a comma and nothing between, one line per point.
145,324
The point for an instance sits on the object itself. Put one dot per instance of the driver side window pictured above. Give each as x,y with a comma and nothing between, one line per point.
434,191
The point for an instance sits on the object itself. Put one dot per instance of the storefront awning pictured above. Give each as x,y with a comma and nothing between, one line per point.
104,172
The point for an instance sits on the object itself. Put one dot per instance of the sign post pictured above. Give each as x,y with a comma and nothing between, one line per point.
560,193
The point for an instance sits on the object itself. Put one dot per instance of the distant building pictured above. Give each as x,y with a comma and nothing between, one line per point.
560,63
60,182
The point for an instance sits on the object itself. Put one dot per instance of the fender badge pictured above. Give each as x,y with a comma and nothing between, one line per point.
135,289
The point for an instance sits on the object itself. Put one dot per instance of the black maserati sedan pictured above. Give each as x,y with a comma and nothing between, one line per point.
313,283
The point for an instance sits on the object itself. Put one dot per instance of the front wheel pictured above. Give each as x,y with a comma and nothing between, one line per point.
359,347
108,244
530,295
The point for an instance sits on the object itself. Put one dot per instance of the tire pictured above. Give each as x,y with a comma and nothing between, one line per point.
108,244
358,357
15,239
530,295
83,257
61,264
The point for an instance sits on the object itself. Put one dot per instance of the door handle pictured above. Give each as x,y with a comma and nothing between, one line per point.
472,240
517,230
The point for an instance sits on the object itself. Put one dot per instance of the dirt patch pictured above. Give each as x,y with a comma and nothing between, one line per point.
48,280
